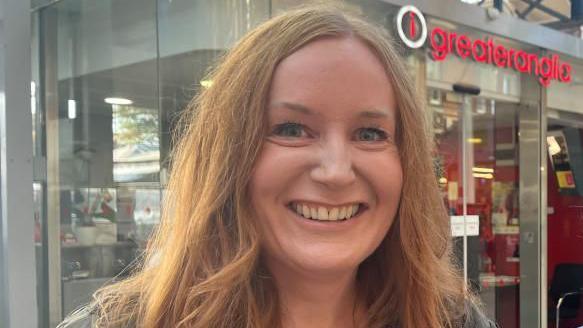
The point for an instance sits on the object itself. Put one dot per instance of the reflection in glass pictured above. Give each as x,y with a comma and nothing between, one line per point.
136,146
117,75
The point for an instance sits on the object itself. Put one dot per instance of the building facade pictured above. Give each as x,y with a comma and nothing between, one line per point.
503,97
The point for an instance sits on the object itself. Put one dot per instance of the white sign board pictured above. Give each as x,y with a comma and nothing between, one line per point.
472,225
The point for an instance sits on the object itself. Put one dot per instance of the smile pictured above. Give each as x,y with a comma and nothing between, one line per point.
327,213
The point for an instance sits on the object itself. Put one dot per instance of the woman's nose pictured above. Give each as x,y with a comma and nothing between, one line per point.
334,167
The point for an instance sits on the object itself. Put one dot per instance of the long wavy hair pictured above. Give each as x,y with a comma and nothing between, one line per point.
203,267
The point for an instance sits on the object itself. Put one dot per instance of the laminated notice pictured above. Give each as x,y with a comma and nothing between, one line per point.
472,225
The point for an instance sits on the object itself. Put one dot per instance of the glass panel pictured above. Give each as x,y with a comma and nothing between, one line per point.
492,200
104,140
565,217
112,66
446,126
490,197
193,34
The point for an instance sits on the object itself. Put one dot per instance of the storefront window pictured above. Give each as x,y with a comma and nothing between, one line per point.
489,204
113,77
565,202
102,151
486,152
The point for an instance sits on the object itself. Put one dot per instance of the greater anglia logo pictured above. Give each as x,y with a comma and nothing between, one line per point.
412,29
486,51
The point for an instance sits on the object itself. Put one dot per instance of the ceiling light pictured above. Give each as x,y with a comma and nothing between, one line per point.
482,170
206,83
118,101
475,140
72,109
483,175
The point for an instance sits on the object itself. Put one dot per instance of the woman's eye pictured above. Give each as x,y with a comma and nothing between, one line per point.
289,130
371,134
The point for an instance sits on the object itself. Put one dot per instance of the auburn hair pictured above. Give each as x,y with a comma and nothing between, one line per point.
203,266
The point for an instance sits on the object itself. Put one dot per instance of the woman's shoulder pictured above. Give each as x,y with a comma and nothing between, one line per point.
81,318
86,317
475,318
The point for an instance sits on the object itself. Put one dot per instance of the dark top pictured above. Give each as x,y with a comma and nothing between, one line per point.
83,318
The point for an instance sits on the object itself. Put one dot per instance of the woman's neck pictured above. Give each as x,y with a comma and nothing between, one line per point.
316,300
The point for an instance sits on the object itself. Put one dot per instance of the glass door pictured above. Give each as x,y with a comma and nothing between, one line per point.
477,161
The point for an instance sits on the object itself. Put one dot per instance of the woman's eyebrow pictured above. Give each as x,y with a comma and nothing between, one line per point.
293,106
373,113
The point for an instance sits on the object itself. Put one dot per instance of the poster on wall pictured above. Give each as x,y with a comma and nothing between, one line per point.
560,159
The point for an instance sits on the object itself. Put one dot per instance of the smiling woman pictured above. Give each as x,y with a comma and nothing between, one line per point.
327,183
302,195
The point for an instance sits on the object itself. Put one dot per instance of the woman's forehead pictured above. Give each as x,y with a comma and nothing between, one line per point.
329,52
333,72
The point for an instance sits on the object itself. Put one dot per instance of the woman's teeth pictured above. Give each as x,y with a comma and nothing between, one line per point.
325,214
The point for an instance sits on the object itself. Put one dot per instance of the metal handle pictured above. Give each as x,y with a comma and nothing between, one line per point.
560,302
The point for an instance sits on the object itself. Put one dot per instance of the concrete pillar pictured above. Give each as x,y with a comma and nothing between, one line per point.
18,303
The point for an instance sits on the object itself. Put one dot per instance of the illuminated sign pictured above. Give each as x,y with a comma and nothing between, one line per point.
412,29
413,38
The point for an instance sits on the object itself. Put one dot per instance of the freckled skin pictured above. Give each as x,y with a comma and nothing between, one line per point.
328,157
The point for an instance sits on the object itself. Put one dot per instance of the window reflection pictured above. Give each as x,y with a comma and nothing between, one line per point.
136,145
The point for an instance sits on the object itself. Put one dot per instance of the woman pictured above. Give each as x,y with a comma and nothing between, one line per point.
302,195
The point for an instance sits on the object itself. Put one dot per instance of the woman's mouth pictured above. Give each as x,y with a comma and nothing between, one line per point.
327,213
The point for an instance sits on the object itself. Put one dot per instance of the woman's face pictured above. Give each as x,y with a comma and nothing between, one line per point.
327,183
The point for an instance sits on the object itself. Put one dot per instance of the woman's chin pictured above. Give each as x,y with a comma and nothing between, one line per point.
324,264
329,269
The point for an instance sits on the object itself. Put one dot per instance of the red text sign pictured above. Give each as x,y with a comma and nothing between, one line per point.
487,51
444,43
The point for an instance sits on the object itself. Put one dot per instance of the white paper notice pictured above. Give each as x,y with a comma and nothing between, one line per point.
472,225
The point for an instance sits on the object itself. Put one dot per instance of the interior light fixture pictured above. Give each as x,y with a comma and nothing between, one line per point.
72,108
475,140
206,83
32,97
483,175
482,169
118,101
